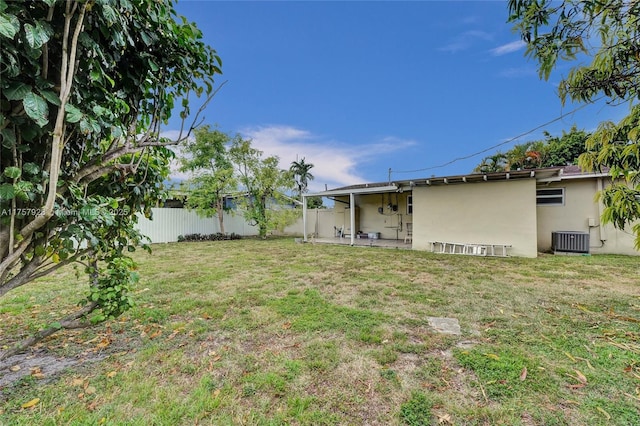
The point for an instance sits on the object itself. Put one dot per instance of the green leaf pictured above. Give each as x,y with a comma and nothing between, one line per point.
23,189
50,96
36,36
31,168
95,75
109,14
9,25
16,91
12,172
8,137
7,192
39,251
89,213
73,114
36,108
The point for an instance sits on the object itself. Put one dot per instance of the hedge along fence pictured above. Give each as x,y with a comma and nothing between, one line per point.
209,237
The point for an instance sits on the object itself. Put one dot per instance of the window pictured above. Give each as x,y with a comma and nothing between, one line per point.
409,204
550,197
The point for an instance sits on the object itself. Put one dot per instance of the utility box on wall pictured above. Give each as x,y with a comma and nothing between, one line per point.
570,242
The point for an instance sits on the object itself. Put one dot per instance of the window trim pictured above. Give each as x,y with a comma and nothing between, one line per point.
409,204
541,196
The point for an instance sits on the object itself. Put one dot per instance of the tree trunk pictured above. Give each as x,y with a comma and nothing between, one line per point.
220,211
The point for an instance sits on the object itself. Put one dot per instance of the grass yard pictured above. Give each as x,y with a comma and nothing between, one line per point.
272,332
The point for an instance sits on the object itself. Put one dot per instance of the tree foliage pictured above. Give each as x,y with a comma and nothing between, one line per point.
549,152
301,172
85,87
302,175
213,178
266,186
607,33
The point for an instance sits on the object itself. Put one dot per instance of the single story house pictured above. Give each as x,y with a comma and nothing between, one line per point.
521,212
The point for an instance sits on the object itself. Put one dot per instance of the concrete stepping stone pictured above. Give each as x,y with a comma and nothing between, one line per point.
445,325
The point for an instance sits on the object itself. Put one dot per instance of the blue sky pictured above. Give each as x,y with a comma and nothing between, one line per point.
357,88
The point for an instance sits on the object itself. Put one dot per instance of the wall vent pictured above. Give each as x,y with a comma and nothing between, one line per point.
570,242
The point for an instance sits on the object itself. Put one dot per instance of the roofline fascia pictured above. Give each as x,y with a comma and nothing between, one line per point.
572,177
372,190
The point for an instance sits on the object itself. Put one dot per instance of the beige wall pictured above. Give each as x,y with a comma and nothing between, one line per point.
574,215
483,213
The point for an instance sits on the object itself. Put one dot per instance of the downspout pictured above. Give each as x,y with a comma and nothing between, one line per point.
304,218
352,204
603,232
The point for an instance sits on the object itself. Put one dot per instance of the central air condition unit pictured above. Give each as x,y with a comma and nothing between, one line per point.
570,242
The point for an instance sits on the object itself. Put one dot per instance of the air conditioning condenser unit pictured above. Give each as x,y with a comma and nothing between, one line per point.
570,242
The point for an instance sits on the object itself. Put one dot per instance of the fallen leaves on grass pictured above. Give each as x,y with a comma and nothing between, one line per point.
581,377
604,413
31,404
523,374
445,419
36,372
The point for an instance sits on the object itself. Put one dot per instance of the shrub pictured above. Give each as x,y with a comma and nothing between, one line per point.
209,237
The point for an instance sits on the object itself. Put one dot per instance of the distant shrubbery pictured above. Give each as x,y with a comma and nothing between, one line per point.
209,237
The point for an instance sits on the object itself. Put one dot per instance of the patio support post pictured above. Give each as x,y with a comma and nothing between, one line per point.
304,218
352,210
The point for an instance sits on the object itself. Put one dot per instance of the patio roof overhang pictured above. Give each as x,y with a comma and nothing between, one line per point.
356,189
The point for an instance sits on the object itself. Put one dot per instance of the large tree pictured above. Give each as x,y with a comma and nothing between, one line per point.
85,87
207,158
265,184
605,37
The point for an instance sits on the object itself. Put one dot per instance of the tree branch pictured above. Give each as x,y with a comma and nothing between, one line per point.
57,146
72,321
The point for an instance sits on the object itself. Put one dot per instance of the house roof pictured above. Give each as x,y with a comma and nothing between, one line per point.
549,174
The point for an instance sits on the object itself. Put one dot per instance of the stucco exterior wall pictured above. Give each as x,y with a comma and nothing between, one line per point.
579,209
501,212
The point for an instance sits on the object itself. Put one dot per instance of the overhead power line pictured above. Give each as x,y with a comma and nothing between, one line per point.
466,157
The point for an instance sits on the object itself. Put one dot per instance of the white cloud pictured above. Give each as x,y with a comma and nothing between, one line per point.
514,46
335,164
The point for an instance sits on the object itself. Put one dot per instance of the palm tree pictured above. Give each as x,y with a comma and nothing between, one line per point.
517,157
301,173
493,163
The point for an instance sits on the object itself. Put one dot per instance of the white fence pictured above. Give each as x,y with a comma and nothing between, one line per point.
168,224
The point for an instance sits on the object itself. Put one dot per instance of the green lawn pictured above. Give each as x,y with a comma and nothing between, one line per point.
273,332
